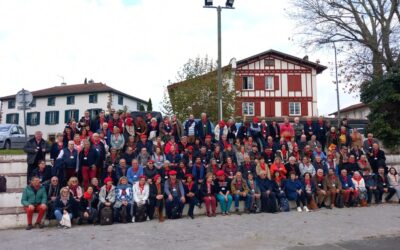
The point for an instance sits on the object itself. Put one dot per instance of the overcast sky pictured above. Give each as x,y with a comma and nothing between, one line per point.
137,46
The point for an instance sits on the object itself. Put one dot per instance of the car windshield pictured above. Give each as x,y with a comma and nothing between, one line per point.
4,129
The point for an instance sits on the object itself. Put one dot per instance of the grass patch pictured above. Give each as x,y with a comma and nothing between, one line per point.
12,152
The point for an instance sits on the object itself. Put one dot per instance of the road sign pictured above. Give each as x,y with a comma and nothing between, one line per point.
24,97
23,108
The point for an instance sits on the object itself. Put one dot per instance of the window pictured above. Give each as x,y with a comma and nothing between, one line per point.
51,117
248,108
33,103
248,82
93,98
294,108
70,100
120,100
33,118
11,104
94,113
14,130
51,101
21,130
269,62
269,82
71,114
12,118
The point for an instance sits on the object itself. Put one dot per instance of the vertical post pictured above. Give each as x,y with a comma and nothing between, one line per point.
219,72
24,108
337,88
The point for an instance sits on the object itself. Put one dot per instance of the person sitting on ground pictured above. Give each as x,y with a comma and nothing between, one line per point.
208,191
123,200
175,193
65,204
52,191
254,193
34,199
333,186
88,207
370,185
223,187
360,191
309,190
347,187
134,172
268,193
191,191
141,192
394,181
319,183
43,171
292,166
295,192
107,194
75,189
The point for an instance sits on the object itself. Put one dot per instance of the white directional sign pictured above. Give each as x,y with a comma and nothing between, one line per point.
24,96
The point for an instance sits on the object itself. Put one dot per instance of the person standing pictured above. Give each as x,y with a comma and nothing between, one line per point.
36,149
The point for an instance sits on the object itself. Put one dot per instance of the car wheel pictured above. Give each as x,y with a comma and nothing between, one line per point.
7,145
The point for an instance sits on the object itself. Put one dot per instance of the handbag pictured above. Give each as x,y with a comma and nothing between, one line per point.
66,221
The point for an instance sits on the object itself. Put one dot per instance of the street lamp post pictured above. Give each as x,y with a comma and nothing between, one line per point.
228,5
337,87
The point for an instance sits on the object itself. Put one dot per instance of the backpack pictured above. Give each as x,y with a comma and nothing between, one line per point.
140,214
175,212
106,216
123,215
284,204
3,184
339,203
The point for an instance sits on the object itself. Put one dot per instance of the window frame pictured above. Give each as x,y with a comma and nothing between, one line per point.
93,98
247,82
49,103
248,104
272,82
37,121
269,64
294,108
69,98
120,100
11,104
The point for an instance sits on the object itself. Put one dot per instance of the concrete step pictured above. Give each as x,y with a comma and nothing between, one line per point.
4,158
15,180
13,167
12,198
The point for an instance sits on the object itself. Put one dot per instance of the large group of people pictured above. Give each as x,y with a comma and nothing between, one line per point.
123,169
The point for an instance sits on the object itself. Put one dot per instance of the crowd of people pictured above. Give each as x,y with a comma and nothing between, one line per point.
115,168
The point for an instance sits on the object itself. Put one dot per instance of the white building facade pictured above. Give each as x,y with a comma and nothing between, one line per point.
52,108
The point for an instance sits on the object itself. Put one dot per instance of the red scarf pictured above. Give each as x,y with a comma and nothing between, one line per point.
141,188
357,179
87,196
307,182
320,178
108,188
262,165
208,187
190,185
74,190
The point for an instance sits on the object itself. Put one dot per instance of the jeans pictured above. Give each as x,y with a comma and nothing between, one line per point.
59,214
225,205
238,198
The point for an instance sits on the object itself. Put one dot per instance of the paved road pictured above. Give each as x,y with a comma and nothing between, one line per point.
324,229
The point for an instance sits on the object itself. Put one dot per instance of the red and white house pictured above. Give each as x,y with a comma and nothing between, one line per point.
275,84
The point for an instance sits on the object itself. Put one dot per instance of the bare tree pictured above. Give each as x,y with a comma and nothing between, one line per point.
367,33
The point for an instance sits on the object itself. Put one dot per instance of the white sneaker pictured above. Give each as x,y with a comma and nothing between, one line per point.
306,209
133,219
299,209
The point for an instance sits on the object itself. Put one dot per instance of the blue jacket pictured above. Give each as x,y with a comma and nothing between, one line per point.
88,160
348,184
291,188
54,151
198,174
133,177
199,129
148,145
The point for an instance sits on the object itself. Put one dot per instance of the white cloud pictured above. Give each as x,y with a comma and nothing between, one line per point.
136,46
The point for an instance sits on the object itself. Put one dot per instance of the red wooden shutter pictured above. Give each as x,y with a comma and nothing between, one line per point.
239,83
257,109
259,82
304,108
285,108
276,82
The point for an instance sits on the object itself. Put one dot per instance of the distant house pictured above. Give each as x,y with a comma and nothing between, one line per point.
52,108
356,111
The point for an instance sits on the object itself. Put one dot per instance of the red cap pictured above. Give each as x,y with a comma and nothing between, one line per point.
156,177
188,175
220,173
108,179
150,161
255,119
143,136
172,172
190,148
142,176
208,136
228,146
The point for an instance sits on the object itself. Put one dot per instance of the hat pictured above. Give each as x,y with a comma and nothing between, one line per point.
188,175
255,119
208,136
142,176
190,148
220,173
108,179
143,136
156,177
150,161
172,172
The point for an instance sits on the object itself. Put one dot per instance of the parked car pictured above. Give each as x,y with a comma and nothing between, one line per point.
12,136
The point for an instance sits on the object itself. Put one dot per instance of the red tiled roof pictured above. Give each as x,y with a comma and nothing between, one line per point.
75,89
351,107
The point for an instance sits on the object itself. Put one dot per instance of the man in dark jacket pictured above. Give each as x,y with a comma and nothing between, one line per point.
268,193
36,149
382,184
34,199
43,172
203,127
67,163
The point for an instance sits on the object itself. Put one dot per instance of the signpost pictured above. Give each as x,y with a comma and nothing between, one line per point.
24,98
